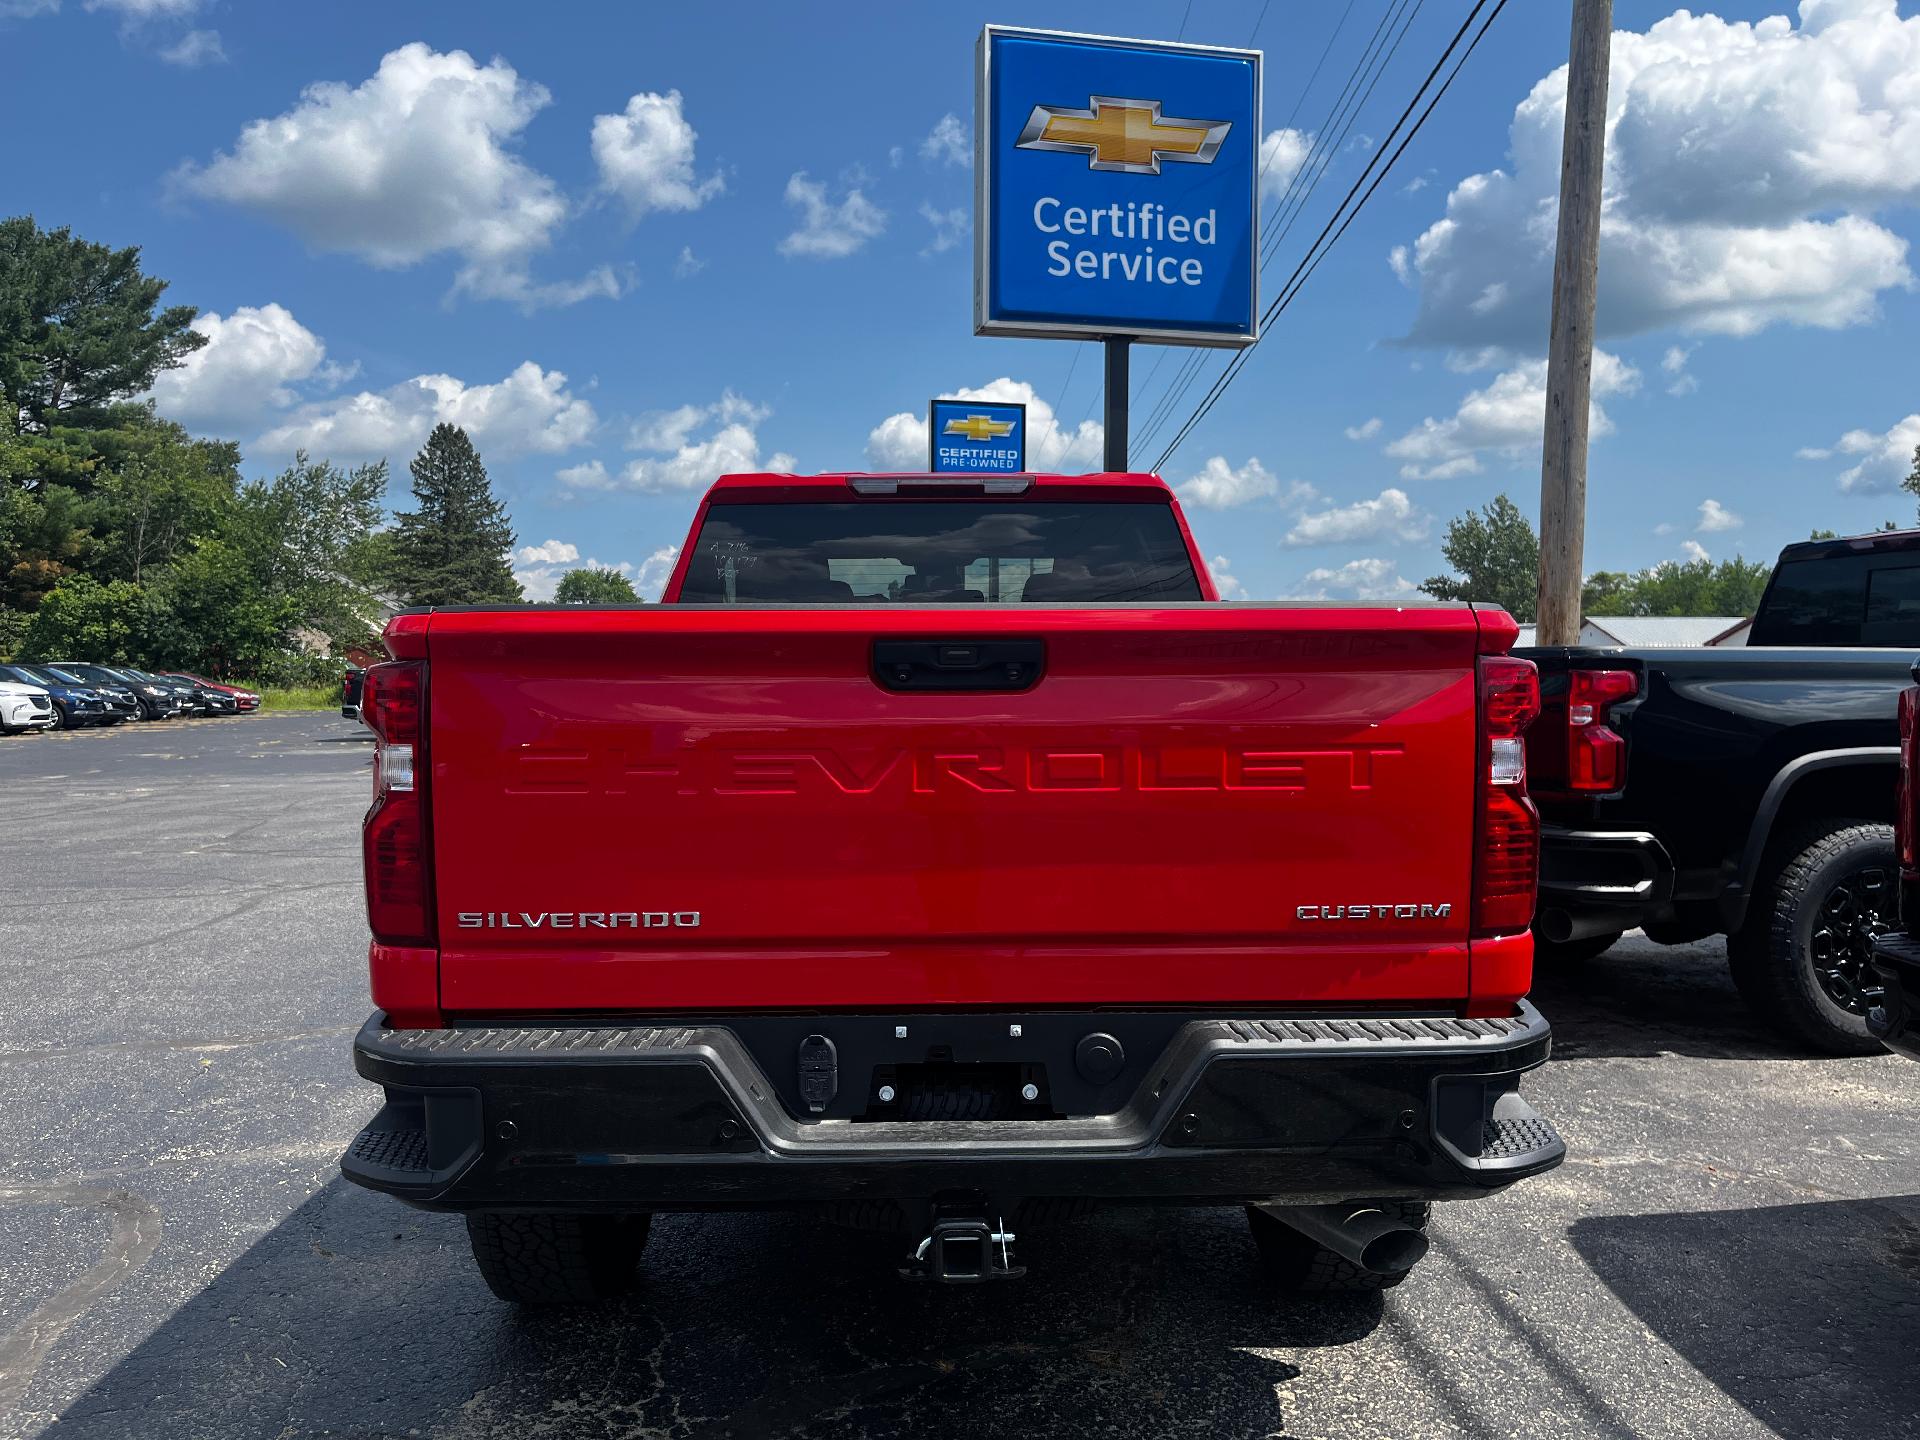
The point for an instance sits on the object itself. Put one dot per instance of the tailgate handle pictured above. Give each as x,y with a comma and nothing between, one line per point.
943,665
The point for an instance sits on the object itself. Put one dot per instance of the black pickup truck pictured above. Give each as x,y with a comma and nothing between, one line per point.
1746,791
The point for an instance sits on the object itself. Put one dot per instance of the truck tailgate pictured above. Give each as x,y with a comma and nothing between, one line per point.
705,809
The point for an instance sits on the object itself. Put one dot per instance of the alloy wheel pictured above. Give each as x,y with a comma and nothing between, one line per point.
1857,908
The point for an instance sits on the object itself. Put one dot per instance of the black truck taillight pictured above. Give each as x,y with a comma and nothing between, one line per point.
394,836
1906,843
1506,861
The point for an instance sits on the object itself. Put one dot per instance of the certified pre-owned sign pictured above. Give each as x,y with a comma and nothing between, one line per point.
1117,189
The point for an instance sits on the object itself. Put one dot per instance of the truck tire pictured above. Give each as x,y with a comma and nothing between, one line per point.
1803,959
1295,1264
554,1259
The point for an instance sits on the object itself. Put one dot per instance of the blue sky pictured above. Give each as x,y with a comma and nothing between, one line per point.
629,246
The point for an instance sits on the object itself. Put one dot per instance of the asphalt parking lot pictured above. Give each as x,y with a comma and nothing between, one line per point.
1733,1248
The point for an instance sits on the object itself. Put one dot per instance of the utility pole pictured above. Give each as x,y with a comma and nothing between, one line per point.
1576,267
1116,412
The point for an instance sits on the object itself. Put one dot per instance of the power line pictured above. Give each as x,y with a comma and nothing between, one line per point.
1183,381
1330,235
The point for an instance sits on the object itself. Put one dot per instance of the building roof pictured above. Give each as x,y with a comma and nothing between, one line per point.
1652,632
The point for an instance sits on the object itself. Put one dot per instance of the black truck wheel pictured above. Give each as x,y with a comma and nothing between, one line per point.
549,1259
1294,1263
1804,957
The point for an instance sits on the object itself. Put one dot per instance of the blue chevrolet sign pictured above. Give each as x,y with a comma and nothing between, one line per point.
976,437
1117,189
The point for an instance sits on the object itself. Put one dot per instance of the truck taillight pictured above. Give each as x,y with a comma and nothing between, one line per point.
1903,819
1596,753
394,840
1506,866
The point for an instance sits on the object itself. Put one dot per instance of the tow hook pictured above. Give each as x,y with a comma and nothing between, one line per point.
964,1250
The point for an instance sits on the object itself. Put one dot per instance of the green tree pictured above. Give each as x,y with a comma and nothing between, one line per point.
1496,558
82,619
1697,587
312,532
211,612
452,548
592,585
1912,483
155,488
78,325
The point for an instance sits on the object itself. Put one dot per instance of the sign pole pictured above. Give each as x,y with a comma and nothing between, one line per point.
1118,347
1576,267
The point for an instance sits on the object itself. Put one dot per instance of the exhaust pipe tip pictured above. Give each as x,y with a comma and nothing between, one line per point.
1357,1231
1393,1253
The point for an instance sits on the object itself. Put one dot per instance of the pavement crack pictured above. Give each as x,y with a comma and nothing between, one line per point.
131,1243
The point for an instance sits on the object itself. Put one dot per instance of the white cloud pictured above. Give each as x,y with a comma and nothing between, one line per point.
1715,517
1693,550
948,143
1665,527
1744,161
530,411
1507,417
690,446
1282,154
194,49
27,9
1366,430
551,552
589,475
688,265
645,156
1674,363
1886,457
1390,517
415,161
1224,580
899,442
1368,579
654,572
829,230
949,227
243,371
146,9
1219,486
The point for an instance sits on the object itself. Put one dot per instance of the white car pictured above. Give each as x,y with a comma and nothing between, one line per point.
24,707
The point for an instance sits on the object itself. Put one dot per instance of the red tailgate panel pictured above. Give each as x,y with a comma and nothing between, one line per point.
1142,827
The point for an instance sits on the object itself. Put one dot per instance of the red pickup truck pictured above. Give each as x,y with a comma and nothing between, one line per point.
944,856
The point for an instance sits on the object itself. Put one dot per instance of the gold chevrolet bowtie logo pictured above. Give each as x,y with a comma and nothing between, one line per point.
979,427
1127,135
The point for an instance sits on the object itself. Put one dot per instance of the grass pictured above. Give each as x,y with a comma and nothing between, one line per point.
298,697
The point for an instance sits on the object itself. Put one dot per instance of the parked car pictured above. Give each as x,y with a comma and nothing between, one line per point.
1187,903
244,700
181,694
1893,1015
122,691
350,693
25,707
74,703
1745,792
207,699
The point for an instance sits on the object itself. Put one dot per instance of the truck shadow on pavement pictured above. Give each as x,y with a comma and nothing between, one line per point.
1806,1315
357,1317
1643,999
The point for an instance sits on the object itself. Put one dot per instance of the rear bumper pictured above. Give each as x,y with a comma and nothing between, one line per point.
1603,879
667,1116
1895,1021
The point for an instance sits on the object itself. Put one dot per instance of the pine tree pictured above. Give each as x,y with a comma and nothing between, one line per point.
452,549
